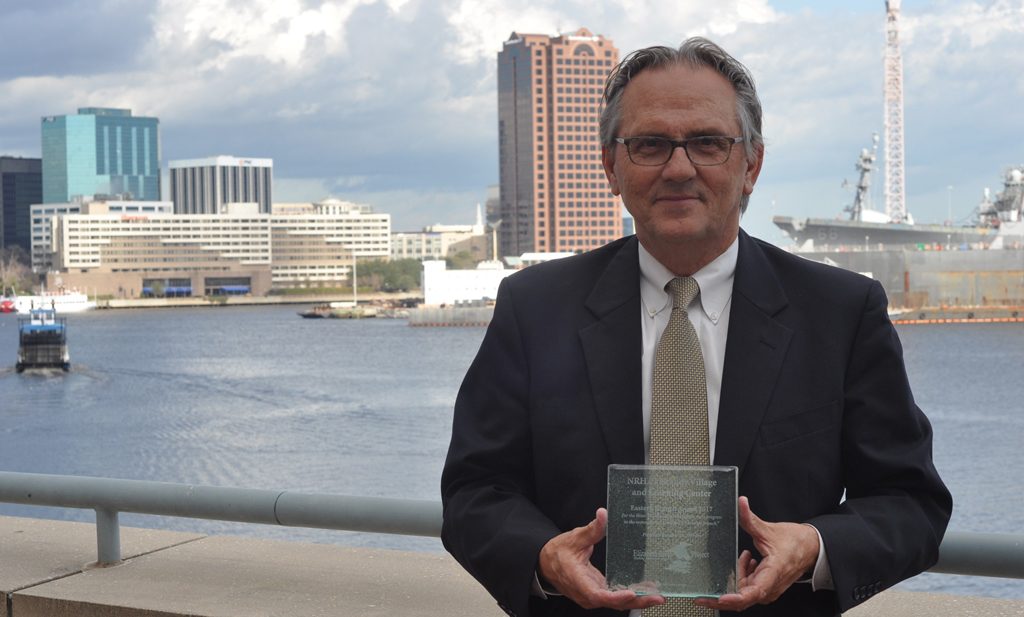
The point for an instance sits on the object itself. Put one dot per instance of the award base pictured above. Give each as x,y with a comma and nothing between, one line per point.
672,530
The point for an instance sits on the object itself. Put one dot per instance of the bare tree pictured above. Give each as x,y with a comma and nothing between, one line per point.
15,271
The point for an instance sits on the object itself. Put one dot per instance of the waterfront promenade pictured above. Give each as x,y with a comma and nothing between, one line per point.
45,572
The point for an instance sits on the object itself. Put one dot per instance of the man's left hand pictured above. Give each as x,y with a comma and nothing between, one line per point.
788,551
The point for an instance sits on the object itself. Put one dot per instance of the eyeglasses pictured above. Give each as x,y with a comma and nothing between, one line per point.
705,150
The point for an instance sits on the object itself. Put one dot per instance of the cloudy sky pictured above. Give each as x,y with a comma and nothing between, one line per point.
392,102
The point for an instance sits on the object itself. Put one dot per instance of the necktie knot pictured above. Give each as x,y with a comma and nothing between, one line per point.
683,290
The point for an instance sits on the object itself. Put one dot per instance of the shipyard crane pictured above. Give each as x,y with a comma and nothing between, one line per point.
895,186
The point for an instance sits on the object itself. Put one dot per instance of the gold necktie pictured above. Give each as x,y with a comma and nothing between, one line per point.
679,409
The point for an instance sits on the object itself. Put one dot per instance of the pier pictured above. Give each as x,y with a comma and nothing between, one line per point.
57,569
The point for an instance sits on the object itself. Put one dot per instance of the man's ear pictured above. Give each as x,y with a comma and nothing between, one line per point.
608,160
753,169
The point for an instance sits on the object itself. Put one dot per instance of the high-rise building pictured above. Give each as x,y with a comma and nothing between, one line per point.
100,151
206,186
21,185
554,195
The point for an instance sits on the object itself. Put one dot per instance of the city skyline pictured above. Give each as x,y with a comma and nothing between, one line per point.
394,103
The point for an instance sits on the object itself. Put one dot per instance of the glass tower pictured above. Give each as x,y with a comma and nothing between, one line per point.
101,151
21,185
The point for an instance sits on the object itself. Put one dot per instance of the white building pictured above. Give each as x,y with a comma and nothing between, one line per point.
206,186
243,250
444,286
317,245
440,241
43,216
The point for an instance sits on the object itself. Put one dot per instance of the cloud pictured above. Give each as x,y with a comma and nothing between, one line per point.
480,26
397,98
50,38
279,31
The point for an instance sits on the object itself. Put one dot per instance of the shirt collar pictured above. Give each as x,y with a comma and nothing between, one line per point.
715,282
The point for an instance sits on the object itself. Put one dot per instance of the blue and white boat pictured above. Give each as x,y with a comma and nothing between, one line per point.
43,341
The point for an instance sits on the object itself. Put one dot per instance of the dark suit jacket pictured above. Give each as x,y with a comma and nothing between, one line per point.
814,402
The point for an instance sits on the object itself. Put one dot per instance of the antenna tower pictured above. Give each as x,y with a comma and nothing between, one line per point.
895,186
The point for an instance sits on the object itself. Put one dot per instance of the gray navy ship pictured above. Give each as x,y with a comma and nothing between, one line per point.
998,222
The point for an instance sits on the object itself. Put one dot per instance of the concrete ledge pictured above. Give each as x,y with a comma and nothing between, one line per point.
44,573
34,551
915,604
234,577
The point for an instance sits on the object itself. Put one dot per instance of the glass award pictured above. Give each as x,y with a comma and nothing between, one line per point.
672,530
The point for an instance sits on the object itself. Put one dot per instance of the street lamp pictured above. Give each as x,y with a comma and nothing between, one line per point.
355,284
949,205
494,238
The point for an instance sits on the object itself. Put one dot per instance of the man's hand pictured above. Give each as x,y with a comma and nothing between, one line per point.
788,549
565,565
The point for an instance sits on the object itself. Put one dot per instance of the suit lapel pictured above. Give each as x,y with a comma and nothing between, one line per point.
755,349
612,348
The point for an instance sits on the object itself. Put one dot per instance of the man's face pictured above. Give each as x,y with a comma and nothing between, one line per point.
677,204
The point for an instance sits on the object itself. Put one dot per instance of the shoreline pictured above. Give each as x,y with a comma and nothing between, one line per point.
219,301
958,315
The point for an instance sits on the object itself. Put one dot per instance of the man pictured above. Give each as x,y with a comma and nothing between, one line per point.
806,388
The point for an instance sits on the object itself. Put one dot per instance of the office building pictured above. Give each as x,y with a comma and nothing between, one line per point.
440,241
207,186
239,251
318,247
21,185
553,191
44,217
100,151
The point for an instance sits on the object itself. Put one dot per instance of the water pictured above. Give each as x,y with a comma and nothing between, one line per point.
257,397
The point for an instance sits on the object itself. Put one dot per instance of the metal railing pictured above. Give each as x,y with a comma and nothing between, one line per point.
108,497
977,554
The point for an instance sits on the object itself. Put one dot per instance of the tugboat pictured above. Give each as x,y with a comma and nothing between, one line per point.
43,341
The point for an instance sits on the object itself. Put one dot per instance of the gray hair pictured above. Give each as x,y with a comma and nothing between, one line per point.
696,52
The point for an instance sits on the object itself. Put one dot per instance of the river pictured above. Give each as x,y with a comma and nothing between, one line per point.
257,397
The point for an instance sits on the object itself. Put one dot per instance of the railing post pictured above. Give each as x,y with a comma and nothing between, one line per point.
108,538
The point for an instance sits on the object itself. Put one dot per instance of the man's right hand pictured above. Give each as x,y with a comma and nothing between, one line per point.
565,565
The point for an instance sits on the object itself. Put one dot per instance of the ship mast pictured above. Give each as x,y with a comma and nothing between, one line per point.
862,198
895,204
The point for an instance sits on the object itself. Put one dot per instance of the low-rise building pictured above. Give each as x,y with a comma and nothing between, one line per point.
441,241
43,219
239,251
442,287
316,246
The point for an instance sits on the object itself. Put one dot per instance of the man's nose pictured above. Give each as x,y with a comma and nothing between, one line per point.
679,166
